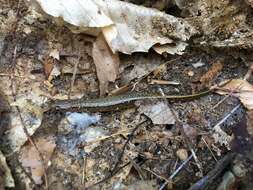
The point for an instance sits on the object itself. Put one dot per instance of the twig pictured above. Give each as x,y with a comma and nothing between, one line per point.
163,82
13,91
221,101
11,75
35,146
147,74
227,116
176,172
84,170
214,157
107,137
157,175
137,168
74,74
115,168
213,174
126,143
188,142
236,89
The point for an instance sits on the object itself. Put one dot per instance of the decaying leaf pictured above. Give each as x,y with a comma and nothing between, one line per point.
143,185
5,172
31,159
127,27
241,89
28,100
138,66
221,137
158,112
107,63
250,122
178,48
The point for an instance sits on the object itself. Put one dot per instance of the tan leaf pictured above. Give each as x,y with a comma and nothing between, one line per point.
241,89
107,63
250,122
31,160
127,27
5,173
158,112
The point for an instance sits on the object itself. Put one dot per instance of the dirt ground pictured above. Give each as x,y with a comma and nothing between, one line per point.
133,152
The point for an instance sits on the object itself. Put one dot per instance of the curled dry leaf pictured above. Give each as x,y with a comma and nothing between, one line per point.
127,27
241,89
158,112
107,63
31,160
221,137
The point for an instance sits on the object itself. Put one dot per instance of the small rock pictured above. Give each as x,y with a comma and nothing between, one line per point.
182,154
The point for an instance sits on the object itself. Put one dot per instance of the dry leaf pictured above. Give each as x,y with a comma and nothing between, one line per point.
8,180
250,122
127,27
48,66
241,89
173,49
107,63
221,137
143,185
55,54
158,112
31,160
28,97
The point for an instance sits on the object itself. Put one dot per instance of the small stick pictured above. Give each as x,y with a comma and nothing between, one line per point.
213,174
11,75
227,116
163,82
74,74
115,169
214,157
84,170
137,168
188,142
157,175
176,172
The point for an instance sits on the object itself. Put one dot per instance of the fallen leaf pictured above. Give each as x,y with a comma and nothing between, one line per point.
241,89
172,49
190,132
221,137
107,63
55,54
140,65
127,27
31,160
8,180
48,66
250,122
28,98
158,112
143,185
